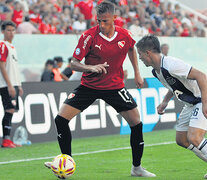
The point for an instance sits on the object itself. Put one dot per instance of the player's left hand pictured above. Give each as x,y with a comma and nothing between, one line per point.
20,91
139,81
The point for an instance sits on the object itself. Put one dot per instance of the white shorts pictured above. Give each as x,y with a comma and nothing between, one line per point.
191,116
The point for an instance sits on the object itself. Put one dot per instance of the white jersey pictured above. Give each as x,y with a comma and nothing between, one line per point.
11,64
173,75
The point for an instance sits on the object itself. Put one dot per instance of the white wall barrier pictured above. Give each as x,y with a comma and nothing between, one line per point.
41,102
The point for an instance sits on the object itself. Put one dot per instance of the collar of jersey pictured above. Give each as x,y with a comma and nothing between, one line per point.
108,39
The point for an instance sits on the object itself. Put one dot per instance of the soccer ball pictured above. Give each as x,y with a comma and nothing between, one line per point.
63,166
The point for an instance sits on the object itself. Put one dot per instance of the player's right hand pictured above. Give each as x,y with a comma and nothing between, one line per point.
11,91
99,68
161,108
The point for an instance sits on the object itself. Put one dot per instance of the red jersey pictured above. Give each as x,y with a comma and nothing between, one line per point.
123,2
120,21
52,29
17,17
44,28
36,18
86,8
98,49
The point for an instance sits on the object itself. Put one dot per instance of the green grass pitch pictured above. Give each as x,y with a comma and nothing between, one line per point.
105,158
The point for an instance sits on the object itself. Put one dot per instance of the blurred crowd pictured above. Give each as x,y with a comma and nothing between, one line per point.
141,17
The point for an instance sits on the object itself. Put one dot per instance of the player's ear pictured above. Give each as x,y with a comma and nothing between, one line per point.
148,52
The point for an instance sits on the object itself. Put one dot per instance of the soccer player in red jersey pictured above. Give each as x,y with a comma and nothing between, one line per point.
104,47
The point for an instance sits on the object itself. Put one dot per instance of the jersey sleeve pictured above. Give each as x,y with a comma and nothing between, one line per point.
179,68
83,46
3,52
131,40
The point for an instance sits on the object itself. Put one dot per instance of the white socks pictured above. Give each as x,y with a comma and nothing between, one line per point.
201,150
203,146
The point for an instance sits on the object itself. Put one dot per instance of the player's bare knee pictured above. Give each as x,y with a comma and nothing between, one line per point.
193,139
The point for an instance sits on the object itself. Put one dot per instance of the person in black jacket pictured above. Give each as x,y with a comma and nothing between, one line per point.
47,74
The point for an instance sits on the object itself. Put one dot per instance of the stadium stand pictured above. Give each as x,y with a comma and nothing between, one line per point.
160,17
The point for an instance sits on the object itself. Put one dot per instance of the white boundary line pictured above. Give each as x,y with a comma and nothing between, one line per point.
85,153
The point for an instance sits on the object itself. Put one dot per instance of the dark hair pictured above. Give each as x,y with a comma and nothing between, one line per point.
149,42
7,23
49,61
58,59
70,59
8,1
26,18
105,7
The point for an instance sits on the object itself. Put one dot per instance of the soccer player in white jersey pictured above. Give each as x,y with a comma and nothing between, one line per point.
10,84
189,85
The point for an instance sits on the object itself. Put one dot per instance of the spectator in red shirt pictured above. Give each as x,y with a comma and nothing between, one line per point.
120,21
35,16
86,7
18,14
157,2
123,2
44,27
185,32
53,25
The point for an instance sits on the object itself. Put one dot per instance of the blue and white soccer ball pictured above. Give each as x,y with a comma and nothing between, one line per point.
63,166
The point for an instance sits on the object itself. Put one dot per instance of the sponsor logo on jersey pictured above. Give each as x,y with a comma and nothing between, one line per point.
77,51
71,95
98,46
86,41
121,44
